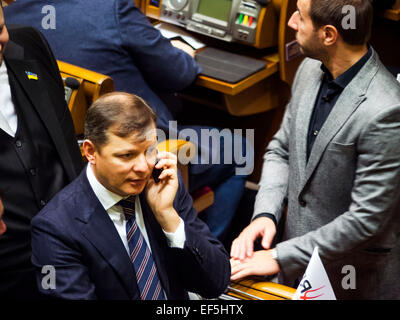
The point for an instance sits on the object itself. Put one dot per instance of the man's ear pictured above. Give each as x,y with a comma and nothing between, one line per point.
89,149
329,35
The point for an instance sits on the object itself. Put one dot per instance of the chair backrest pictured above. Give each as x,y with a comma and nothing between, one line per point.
85,88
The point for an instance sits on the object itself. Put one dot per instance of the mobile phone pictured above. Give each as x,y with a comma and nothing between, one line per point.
156,172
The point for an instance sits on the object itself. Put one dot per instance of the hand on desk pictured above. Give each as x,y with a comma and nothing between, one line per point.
260,264
243,245
184,47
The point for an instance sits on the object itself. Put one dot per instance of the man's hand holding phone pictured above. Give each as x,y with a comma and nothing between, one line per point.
160,195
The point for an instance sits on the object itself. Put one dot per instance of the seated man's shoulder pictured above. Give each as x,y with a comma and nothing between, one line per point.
19,33
61,208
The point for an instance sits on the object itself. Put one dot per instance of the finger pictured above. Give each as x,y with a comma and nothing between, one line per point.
249,246
167,155
235,249
167,173
239,247
166,163
234,262
267,240
240,271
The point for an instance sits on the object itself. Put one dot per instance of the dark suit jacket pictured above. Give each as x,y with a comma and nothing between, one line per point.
29,50
75,234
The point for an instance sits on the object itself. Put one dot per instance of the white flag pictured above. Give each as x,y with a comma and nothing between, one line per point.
315,284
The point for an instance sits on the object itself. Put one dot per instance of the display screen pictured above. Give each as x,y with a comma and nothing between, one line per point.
218,9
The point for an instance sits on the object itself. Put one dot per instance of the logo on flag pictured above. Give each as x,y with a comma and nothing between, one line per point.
31,75
315,284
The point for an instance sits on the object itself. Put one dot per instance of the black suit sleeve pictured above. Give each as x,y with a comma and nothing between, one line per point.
203,263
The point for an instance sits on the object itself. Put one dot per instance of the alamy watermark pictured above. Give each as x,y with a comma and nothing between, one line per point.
49,278
349,21
49,19
212,146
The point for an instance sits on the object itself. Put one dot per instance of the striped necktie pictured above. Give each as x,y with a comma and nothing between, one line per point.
143,263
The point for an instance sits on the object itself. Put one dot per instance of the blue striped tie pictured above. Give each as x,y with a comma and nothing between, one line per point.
143,263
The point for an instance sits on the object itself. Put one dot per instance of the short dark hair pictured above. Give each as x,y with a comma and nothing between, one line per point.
125,113
329,12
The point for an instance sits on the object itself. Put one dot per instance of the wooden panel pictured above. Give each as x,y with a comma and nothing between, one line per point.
287,69
267,31
152,11
392,14
261,97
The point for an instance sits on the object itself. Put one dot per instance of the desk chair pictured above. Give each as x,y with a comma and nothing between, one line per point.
83,87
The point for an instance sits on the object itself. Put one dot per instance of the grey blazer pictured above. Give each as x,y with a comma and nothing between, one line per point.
345,199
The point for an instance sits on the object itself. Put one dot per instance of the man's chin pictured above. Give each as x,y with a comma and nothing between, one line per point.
133,188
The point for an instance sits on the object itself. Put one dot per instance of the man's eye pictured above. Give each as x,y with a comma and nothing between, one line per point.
126,156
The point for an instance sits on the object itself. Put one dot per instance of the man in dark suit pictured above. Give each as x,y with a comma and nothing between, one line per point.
39,152
116,233
126,46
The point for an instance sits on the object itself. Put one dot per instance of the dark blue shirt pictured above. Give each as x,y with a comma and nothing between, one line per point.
329,93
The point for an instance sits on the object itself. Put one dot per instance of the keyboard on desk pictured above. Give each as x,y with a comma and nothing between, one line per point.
226,66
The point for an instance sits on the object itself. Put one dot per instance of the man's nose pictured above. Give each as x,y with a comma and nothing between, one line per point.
3,38
293,21
141,164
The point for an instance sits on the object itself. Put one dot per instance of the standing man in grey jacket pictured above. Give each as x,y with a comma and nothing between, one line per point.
335,163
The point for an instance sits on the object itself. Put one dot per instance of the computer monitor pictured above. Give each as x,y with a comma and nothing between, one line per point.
217,11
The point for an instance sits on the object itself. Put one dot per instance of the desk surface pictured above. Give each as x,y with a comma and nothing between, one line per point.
235,88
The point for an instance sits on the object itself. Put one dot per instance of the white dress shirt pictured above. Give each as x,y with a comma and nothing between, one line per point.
8,116
109,202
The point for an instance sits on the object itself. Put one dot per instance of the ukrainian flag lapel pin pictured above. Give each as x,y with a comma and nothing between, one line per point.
31,75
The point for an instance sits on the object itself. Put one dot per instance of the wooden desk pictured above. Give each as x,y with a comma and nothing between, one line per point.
259,92
252,95
251,289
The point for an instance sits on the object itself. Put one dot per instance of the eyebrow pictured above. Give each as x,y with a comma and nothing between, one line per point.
298,10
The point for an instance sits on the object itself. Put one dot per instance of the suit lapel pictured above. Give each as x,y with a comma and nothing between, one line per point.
303,117
100,231
351,98
156,238
38,96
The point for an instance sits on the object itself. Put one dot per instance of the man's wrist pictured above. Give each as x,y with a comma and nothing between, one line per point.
168,219
267,215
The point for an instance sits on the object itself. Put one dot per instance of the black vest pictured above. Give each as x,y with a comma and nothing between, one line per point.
31,173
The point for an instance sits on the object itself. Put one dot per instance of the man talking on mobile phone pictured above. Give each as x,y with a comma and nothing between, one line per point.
114,233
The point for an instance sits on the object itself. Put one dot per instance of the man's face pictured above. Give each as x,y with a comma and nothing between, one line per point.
3,35
124,165
3,227
306,35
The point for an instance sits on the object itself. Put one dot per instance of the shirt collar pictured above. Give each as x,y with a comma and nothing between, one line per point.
345,78
106,197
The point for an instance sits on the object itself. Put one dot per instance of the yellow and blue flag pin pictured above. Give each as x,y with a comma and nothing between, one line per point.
31,75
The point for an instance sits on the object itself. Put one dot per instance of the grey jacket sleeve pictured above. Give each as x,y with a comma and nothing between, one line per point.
371,216
272,195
